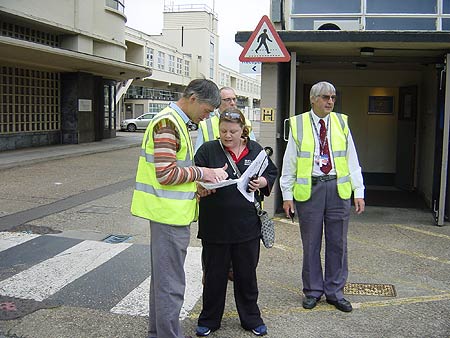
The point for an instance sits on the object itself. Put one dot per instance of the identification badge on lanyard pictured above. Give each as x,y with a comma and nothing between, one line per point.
322,160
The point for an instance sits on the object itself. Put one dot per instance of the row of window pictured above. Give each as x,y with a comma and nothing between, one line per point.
167,62
137,92
241,84
377,23
28,34
371,6
29,100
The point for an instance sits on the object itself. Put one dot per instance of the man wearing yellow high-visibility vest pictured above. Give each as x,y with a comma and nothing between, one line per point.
165,194
320,172
208,130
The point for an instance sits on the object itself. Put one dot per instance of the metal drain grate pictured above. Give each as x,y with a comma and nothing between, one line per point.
114,239
368,289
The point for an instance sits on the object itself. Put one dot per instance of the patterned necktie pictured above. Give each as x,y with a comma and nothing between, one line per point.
324,150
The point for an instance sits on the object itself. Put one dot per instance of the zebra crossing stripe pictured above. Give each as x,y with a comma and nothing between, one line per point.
11,239
136,303
44,279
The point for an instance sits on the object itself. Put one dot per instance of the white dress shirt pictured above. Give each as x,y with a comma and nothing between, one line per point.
289,170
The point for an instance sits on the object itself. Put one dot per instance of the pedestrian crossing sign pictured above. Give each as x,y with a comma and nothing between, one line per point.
264,45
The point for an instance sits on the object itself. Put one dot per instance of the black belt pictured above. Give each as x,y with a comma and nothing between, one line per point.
324,178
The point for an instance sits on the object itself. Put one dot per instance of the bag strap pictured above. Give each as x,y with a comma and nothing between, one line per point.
230,159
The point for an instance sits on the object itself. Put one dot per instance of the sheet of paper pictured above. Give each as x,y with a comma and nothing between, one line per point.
258,166
217,185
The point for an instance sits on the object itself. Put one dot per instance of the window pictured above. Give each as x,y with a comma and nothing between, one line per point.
116,4
326,6
403,6
161,61
149,57
400,24
155,108
179,65
109,93
171,63
211,59
308,23
187,68
446,24
446,6
29,100
28,34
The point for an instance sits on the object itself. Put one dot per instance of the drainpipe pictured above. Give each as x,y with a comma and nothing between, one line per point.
445,139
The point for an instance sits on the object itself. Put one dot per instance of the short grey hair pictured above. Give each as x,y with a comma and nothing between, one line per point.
205,90
321,88
227,88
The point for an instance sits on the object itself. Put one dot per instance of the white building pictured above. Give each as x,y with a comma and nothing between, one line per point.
187,48
71,70
59,63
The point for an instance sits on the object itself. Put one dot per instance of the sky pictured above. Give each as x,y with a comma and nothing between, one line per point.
233,15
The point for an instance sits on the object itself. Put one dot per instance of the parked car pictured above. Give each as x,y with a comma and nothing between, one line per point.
140,122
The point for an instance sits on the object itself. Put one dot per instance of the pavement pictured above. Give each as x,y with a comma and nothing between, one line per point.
399,261
21,157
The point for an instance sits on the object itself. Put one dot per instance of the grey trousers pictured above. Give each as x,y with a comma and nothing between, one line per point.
324,211
168,247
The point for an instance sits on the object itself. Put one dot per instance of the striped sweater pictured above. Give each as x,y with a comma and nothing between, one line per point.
167,142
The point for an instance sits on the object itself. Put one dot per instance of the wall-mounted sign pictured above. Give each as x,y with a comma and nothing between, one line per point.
267,115
84,105
383,105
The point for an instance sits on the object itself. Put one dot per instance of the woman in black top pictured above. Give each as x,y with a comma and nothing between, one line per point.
229,227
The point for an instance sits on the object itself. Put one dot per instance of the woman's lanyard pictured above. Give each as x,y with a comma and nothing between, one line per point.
324,142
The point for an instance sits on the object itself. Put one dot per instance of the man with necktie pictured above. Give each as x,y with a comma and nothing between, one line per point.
320,172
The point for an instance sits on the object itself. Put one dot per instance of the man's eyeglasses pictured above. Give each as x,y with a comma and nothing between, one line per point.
328,97
230,116
229,99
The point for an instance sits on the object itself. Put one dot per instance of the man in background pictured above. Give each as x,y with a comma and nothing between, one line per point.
208,129
320,172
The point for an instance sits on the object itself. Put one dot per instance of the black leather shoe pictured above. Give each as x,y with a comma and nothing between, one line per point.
309,302
342,304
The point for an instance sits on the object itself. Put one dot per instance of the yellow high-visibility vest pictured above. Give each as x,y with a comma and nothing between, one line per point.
210,128
168,204
302,132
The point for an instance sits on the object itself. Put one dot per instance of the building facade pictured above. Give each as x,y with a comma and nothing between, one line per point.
387,60
71,70
186,49
59,63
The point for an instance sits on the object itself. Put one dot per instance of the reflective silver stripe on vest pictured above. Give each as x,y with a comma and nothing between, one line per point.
299,129
341,120
305,154
177,195
151,159
301,180
340,153
209,129
344,179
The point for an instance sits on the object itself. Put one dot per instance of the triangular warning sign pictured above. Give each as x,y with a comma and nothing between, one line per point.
264,45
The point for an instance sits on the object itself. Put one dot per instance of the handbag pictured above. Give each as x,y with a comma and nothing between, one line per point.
267,223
